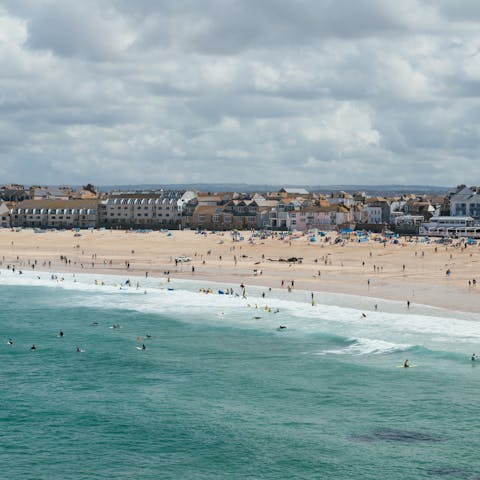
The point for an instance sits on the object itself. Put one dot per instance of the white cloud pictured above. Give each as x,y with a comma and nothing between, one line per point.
147,91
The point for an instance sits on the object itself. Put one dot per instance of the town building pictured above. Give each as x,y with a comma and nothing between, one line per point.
59,214
4,215
465,202
14,193
147,210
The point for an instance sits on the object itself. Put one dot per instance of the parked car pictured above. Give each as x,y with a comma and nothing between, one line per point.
182,258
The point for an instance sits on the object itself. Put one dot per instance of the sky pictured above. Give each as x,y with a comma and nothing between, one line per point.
311,92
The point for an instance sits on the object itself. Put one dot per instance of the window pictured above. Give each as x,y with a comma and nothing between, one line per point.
216,218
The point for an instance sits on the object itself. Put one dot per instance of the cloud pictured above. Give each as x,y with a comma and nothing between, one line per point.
304,91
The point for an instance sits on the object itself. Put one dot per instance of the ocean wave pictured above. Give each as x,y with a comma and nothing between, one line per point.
368,346
182,300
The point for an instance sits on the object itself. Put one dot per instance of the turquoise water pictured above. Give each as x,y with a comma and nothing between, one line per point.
218,394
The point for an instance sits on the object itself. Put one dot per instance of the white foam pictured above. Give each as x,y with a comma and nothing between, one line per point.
367,346
186,303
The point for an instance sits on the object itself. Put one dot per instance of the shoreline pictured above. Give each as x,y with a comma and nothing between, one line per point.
402,272
330,298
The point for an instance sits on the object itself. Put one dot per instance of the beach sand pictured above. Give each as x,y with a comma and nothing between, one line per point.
368,269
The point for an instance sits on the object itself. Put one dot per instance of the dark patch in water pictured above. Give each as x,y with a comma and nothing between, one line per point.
397,436
456,472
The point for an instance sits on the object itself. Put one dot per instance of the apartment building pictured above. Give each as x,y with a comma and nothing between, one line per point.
465,202
4,215
60,214
148,210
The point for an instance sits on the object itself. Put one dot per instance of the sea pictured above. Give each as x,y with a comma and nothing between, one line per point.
221,391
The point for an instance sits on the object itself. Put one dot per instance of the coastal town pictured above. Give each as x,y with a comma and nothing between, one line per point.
289,209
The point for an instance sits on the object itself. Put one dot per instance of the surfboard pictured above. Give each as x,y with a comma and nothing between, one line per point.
410,366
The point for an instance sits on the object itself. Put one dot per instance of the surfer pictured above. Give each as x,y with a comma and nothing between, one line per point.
79,350
281,327
10,342
406,364
143,346
363,315
474,357
60,333
33,347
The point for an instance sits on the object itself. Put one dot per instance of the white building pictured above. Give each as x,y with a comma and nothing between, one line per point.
446,226
144,210
466,202
61,214
4,216
373,213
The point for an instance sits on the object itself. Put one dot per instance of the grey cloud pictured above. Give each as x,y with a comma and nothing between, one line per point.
274,91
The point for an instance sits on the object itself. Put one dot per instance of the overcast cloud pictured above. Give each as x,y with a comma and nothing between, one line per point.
257,91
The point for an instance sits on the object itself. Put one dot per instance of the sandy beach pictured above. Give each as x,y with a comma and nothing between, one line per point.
406,271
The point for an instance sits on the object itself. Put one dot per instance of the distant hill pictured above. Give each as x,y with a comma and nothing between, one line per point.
245,187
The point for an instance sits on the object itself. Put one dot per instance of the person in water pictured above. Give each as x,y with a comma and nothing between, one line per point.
143,346
60,334
10,342
406,364
474,357
33,347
